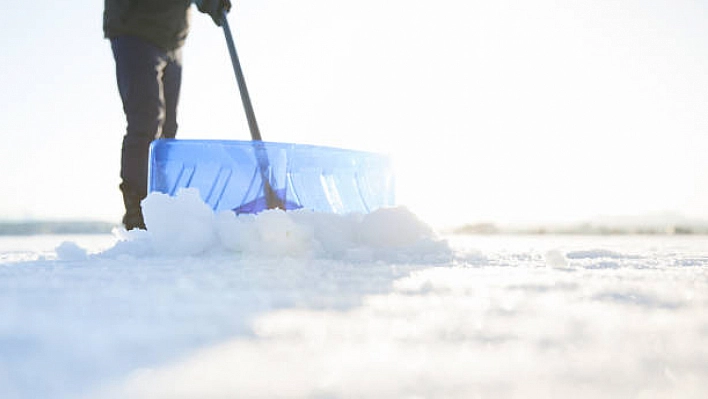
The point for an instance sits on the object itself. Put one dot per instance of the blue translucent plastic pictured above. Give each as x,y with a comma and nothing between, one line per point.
230,175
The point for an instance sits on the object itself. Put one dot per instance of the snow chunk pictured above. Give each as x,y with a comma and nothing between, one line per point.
71,251
180,225
271,232
393,228
555,259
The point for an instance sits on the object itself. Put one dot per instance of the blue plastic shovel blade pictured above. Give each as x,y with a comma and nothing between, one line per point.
232,175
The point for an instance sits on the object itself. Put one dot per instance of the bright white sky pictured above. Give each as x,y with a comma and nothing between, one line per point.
492,111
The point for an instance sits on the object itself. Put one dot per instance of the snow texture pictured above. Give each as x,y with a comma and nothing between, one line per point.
309,305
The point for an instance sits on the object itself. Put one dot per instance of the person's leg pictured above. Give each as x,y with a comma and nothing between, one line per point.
139,71
171,82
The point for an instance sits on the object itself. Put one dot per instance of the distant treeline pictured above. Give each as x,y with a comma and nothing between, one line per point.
54,227
581,229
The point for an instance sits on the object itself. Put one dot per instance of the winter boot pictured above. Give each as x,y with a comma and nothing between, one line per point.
133,218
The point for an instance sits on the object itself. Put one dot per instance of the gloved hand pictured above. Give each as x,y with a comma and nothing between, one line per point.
215,8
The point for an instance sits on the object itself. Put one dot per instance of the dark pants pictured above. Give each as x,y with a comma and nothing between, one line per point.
149,81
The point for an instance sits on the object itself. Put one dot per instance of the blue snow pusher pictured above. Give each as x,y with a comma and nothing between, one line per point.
240,175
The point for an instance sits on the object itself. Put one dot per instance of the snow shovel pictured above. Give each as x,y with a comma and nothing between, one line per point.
253,176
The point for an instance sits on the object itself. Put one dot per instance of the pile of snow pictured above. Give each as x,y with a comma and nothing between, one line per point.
183,225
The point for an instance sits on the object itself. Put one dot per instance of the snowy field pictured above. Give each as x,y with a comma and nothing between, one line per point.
309,305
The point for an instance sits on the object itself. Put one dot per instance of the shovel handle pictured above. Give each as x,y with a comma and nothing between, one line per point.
243,90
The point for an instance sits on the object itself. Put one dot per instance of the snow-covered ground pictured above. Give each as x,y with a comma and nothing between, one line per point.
320,306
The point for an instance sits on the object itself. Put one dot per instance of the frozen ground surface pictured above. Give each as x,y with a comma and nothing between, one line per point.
336,307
